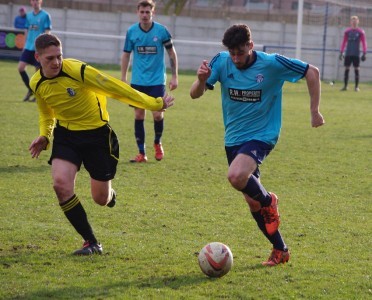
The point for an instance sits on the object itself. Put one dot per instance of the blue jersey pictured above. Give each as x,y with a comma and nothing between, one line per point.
148,59
252,97
36,25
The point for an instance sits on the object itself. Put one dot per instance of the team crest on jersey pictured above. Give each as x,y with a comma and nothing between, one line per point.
259,78
71,92
155,39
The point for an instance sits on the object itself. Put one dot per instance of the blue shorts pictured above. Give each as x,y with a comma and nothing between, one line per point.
28,56
152,90
255,149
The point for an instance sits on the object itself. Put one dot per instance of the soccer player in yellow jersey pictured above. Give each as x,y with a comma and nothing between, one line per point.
71,99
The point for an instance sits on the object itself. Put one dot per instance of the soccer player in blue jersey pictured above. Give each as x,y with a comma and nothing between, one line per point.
147,40
38,21
251,90
353,37
72,103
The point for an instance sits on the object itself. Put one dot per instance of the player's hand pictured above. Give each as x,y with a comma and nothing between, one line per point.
204,71
168,101
363,58
341,57
317,119
38,145
173,84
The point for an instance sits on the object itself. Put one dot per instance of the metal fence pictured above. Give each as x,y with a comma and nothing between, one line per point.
339,11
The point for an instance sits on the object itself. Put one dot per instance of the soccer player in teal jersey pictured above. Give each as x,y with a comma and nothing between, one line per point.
147,40
38,21
72,103
251,90
353,37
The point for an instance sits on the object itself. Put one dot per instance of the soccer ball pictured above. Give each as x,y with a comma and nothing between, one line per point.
215,259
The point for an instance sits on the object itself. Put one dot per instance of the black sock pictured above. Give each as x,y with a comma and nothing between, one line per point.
276,239
75,213
346,77
139,133
356,78
158,128
25,79
255,190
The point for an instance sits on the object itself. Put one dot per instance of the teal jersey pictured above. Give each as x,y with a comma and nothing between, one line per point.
148,66
252,97
36,25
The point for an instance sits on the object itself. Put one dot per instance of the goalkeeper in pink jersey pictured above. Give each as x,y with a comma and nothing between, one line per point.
353,37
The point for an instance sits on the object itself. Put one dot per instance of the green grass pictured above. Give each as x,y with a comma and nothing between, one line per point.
167,211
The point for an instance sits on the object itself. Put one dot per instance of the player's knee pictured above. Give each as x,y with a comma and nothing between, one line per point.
101,197
139,114
157,116
62,189
236,180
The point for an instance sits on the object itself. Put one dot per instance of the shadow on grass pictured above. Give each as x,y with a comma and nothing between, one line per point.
119,290
23,169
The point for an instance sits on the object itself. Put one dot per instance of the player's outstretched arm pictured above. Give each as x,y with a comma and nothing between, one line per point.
313,85
199,86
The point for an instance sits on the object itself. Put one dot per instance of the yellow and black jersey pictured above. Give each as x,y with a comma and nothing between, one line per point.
76,98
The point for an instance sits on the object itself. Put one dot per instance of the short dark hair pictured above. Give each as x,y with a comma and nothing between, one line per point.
146,3
45,40
236,36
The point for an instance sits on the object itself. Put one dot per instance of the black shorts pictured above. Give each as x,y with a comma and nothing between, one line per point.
97,149
352,59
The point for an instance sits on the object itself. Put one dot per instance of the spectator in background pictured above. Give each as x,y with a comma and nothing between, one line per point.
147,39
38,21
20,20
353,36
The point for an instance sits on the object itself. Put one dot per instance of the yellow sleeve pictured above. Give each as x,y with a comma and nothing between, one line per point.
46,113
46,119
112,87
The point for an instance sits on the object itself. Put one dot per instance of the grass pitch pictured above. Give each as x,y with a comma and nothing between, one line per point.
167,211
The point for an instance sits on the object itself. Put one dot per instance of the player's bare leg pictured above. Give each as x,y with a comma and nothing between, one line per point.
102,192
64,176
